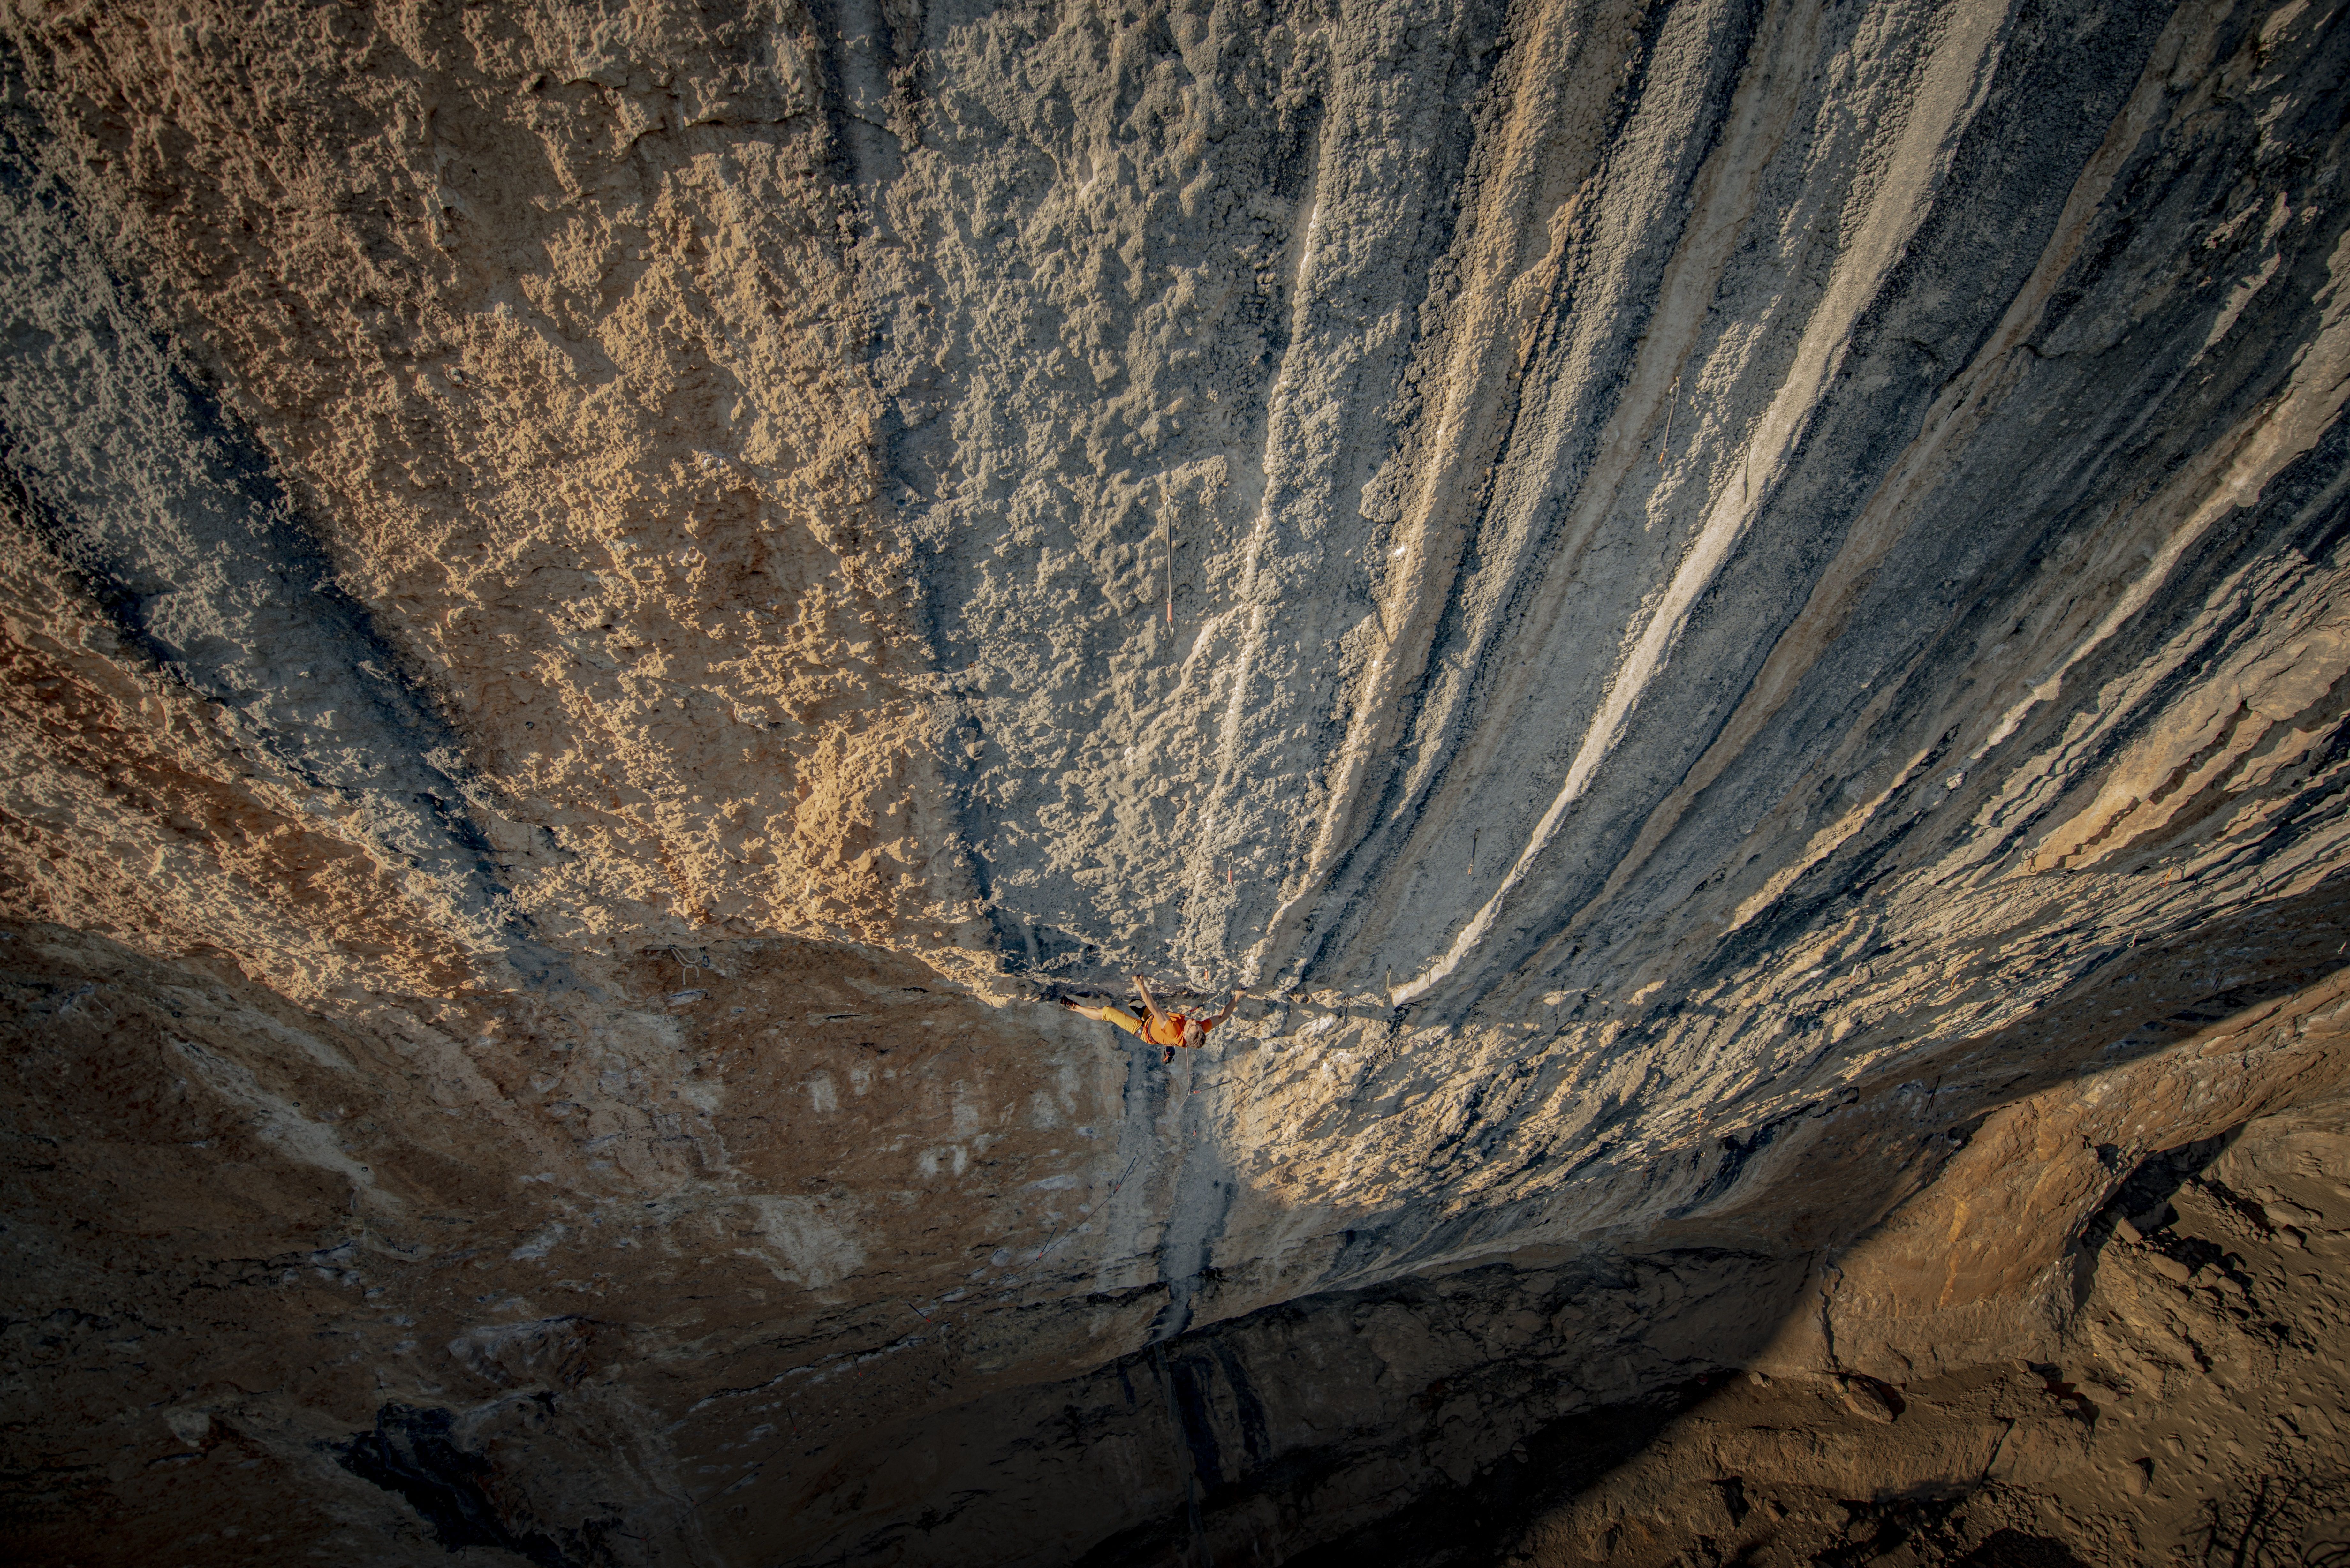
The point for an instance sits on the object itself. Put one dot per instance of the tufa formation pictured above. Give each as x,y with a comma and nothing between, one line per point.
1734,615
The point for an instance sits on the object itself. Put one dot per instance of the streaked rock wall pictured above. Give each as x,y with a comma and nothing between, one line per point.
1697,596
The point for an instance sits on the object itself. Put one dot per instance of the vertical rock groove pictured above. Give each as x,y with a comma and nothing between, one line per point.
1729,611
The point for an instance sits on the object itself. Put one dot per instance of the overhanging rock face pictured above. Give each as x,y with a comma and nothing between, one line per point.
1703,601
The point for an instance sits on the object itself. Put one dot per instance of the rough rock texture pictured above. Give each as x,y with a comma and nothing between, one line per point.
1731,612
2190,1410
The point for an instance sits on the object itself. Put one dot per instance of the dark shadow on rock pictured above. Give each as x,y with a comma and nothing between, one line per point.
1454,1524
412,1453
2014,1549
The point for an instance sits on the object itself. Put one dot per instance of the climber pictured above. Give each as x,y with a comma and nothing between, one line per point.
1159,1027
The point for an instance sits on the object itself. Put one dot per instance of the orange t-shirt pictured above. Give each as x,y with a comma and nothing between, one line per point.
1173,1035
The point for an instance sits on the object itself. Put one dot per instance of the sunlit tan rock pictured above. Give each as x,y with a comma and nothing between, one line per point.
1732,618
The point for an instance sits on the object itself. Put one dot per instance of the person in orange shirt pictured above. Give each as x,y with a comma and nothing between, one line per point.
1159,1027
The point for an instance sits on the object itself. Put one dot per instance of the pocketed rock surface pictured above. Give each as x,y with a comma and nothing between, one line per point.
1730,613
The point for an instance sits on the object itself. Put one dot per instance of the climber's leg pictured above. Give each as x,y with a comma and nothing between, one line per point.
1107,1015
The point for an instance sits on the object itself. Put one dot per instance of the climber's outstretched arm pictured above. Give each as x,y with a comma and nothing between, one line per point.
1234,1002
1150,1002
